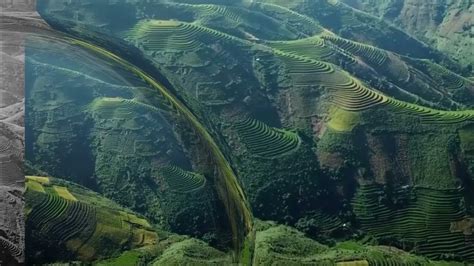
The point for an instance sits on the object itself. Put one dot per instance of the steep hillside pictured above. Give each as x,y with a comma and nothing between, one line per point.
447,25
67,222
96,117
282,245
200,118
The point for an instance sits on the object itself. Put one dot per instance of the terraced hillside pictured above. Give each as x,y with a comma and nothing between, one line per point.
182,181
279,244
276,244
447,25
201,115
81,223
264,141
420,218
118,118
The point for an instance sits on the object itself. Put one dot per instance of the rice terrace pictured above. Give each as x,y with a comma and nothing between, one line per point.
219,132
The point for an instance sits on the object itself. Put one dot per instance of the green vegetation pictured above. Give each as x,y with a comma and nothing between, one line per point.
354,96
180,180
304,23
200,115
317,48
112,124
429,115
131,257
228,186
303,70
118,107
428,22
278,245
64,193
323,223
467,139
172,250
192,252
467,146
369,53
448,78
341,120
88,227
237,20
265,141
313,47
415,218
155,35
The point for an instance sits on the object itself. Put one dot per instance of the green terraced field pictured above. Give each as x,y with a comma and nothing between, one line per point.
301,22
82,225
313,47
447,78
289,103
123,106
325,223
422,222
305,71
429,115
372,54
232,13
168,35
279,245
179,180
316,48
265,141
192,252
240,21
112,108
233,16
356,97
353,96
303,65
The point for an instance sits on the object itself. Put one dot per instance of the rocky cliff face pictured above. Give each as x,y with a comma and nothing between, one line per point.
447,24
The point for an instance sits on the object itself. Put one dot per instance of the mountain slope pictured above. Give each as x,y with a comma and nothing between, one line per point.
447,25
329,125
86,225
